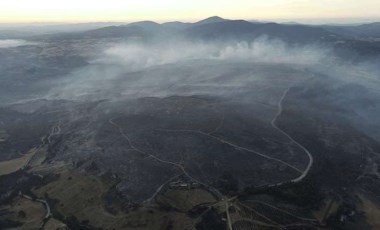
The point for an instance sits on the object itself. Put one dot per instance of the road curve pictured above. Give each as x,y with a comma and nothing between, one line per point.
304,173
233,145
273,123
44,202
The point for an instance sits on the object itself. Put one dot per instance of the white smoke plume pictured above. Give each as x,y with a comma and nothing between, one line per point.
9,43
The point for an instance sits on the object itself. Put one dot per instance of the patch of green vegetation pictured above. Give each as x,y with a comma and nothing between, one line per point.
185,199
80,197
23,214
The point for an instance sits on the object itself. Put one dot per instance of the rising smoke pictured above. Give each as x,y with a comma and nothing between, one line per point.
10,43
160,69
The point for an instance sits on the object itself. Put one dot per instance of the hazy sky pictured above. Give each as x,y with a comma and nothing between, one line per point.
164,10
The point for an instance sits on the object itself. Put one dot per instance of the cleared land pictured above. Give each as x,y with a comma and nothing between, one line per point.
29,213
184,200
329,208
7,167
53,224
80,196
371,210
147,219
39,157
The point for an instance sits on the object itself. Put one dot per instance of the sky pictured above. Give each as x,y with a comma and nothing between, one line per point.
27,11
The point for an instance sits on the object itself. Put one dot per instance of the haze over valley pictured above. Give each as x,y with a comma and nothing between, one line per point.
216,124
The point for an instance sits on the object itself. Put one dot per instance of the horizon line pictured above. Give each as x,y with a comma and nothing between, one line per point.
322,20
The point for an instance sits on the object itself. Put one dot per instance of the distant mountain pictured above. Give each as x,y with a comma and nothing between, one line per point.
223,30
244,30
143,30
213,28
209,20
15,34
145,24
183,25
177,25
365,31
118,31
371,30
36,28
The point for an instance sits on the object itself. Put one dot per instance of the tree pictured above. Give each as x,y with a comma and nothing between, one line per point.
21,214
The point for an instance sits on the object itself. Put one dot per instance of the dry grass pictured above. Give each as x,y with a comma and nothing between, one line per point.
7,167
329,208
80,196
53,224
148,219
35,213
185,199
372,212
39,157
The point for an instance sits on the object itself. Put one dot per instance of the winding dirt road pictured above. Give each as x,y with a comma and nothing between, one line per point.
222,198
303,173
234,146
273,123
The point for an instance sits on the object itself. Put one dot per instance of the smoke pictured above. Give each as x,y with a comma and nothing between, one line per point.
133,69
166,68
135,56
10,43
273,51
259,70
